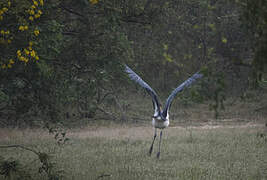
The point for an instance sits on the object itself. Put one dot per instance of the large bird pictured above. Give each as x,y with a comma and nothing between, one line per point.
160,119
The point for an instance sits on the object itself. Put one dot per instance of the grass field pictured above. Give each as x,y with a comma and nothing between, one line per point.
121,152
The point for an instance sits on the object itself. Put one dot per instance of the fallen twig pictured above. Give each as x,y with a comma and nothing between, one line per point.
104,175
20,146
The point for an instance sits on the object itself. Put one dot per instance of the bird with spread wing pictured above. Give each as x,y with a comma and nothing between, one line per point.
160,118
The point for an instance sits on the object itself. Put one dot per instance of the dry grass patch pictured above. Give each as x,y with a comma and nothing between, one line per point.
121,152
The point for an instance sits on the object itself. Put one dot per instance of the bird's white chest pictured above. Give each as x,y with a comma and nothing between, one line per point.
158,123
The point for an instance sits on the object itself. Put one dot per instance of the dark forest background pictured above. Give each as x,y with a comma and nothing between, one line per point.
63,61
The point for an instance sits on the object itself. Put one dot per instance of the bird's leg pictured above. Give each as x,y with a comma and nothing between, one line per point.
159,144
151,147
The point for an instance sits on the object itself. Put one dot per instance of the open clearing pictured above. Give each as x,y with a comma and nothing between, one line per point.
121,152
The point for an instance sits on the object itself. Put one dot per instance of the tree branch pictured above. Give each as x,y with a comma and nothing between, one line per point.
20,146
242,64
107,113
71,11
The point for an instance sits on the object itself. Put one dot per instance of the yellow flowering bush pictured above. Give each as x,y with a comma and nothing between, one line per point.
34,11
3,11
18,37
27,54
36,32
23,28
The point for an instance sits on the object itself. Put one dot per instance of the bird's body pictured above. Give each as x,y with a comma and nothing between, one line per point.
160,119
159,123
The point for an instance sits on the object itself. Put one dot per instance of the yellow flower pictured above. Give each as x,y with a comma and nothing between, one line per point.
40,12
30,48
5,9
94,1
18,53
30,43
31,12
9,3
35,3
224,40
2,32
11,61
22,58
8,41
27,51
41,2
7,32
37,58
33,7
21,28
36,32
33,53
36,16
1,12
9,65
31,18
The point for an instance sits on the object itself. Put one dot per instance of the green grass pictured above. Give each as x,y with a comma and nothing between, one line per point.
122,153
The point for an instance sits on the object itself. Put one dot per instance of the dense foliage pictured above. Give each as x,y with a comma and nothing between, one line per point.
64,59
255,19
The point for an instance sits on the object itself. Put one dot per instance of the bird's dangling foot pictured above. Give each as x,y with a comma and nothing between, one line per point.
158,155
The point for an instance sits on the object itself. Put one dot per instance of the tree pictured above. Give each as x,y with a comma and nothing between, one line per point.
255,19
22,57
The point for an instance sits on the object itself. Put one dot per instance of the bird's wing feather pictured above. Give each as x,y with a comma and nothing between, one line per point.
181,87
133,76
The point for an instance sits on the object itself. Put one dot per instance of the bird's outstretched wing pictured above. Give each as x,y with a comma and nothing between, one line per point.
133,76
181,87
